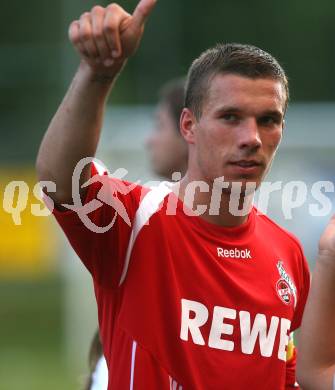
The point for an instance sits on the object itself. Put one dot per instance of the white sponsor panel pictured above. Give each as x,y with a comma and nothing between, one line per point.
262,331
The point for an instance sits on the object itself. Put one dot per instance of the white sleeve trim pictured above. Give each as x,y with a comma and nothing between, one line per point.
147,208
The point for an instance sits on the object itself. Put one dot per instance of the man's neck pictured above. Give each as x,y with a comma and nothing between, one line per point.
212,203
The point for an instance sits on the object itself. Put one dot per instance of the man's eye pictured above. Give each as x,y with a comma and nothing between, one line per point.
268,120
230,117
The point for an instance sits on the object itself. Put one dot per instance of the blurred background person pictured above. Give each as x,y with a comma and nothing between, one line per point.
98,377
166,147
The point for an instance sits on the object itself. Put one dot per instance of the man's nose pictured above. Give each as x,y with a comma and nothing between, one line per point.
249,137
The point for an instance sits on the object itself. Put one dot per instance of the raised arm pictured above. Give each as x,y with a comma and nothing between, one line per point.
105,38
316,362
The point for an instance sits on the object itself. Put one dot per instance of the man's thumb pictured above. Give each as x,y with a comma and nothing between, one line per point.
142,11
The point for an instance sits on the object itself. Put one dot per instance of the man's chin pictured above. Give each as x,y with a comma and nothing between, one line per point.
241,186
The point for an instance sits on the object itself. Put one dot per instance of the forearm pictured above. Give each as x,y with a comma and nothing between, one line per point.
316,366
74,131
105,38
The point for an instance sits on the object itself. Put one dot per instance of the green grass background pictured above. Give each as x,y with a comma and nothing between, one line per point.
32,352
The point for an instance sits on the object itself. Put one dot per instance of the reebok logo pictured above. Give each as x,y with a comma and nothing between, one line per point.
234,253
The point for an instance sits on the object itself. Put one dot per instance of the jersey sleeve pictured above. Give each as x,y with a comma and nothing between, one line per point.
99,229
302,290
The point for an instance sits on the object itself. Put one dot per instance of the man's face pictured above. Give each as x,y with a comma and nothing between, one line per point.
167,148
239,129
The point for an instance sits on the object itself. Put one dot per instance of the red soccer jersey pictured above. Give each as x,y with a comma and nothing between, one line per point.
185,304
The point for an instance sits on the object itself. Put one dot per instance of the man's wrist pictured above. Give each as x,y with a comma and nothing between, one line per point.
100,77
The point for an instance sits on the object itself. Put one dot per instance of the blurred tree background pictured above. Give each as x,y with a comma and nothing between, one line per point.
37,65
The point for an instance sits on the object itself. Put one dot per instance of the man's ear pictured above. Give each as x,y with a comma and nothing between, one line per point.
187,125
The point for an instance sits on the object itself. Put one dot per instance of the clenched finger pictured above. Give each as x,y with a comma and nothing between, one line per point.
74,37
86,35
113,19
97,19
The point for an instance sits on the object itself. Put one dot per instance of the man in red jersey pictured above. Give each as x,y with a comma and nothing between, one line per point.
191,293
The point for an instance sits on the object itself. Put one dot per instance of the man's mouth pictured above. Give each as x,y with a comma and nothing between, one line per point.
247,163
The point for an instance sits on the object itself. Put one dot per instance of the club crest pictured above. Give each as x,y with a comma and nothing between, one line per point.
283,291
285,287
